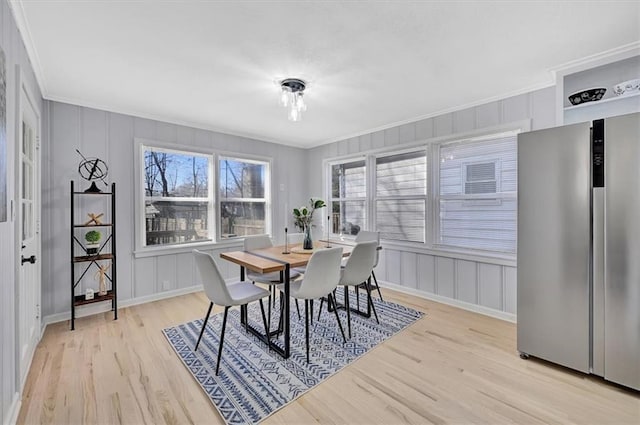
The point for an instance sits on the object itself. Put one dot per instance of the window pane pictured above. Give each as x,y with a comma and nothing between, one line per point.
348,180
348,217
242,218
171,174
241,179
480,224
173,222
401,219
477,194
404,174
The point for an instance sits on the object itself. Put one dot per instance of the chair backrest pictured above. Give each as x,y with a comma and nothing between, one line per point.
322,275
367,236
251,243
214,285
358,267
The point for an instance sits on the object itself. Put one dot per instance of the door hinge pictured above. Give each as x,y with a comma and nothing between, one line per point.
38,226
37,311
38,142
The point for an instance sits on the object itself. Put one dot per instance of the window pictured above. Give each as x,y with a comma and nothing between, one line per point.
348,197
477,202
188,197
243,197
177,196
401,196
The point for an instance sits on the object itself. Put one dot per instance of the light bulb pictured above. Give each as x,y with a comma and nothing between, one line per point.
284,98
294,115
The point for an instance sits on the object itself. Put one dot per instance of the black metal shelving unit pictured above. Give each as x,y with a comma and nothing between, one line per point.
83,263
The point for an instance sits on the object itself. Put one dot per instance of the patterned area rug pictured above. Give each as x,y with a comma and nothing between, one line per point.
253,383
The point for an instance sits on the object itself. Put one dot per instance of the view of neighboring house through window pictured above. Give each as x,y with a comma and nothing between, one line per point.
348,197
243,197
178,206
477,201
401,196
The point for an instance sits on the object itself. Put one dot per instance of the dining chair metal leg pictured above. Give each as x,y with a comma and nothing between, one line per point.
370,300
204,325
377,286
346,301
224,325
298,309
330,301
306,326
267,326
320,309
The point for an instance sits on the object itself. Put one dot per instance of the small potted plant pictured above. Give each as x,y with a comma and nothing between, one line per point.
93,241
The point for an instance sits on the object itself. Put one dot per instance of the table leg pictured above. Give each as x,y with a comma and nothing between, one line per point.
287,318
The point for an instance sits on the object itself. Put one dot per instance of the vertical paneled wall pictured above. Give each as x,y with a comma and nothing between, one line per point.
489,285
15,54
110,136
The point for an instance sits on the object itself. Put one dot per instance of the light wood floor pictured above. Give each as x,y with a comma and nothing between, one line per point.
452,366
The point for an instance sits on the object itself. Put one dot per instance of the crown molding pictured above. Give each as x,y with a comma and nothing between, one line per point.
19,15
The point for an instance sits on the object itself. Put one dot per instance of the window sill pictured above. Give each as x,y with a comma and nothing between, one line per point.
469,255
186,248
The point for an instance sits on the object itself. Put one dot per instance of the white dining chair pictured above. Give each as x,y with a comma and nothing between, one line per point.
320,280
227,295
253,243
366,236
296,239
357,271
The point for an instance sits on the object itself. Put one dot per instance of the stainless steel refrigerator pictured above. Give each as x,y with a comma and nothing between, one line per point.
579,247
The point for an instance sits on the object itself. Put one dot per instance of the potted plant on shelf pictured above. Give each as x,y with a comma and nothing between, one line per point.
93,241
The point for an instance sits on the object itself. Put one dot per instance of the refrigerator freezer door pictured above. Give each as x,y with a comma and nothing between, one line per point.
622,250
554,239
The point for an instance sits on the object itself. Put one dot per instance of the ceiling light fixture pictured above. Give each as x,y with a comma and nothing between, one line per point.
292,97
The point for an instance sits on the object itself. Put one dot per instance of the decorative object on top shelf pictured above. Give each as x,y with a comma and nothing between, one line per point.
93,238
292,97
303,220
588,95
626,87
92,169
94,219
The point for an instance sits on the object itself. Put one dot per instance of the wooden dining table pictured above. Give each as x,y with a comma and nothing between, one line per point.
276,259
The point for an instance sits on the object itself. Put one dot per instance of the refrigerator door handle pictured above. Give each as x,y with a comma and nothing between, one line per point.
598,282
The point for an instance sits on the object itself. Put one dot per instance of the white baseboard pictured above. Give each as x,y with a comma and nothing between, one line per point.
105,307
509,317
14,410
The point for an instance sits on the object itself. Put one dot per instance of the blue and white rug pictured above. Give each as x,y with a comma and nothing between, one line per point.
253,383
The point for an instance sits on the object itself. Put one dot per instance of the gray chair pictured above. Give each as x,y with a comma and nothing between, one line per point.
255,242
356,272
366,236
320,280
218,292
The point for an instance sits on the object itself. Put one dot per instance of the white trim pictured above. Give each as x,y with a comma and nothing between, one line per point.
496,258
22,23
486,311
106,307
14,410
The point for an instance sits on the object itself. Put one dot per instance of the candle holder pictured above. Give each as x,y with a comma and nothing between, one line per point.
286,242
328,225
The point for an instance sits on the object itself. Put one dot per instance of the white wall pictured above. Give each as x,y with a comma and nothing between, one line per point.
484,285
110,136
15,54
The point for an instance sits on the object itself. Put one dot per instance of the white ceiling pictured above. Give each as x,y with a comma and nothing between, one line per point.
370,64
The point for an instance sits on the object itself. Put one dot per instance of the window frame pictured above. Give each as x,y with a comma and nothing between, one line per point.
141,250
473,199
431,146
331,199
425,198
267,191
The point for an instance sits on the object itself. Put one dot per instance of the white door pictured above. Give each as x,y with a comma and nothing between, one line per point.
28,232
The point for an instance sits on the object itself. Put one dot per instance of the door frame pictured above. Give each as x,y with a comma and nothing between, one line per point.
24,93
